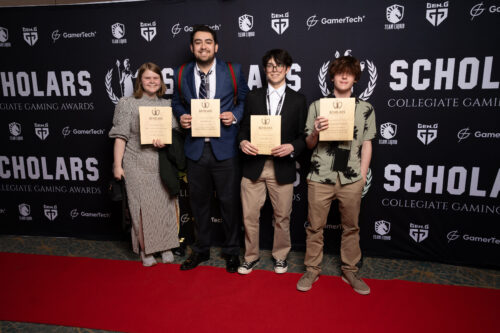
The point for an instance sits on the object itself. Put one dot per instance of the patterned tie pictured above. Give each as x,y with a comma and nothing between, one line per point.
202,93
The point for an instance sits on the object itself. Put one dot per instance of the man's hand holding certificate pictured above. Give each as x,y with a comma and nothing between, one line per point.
155,124
265,133
205,118
340,115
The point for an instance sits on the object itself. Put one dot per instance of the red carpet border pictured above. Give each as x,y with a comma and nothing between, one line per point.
125,296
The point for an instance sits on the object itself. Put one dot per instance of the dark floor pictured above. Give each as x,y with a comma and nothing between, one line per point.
373,268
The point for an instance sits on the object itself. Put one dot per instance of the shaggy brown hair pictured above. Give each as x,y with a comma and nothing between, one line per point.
345,64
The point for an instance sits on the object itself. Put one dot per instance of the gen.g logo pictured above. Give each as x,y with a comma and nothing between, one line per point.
50,212
30,35
280,22
148,30
419,232
427,133
436,13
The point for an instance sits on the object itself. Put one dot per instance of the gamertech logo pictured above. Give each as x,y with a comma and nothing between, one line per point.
68,131
56,35
178,28
75,213
313,20
465,133
480,8
454,235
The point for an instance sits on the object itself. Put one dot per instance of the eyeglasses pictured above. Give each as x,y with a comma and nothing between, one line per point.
270,67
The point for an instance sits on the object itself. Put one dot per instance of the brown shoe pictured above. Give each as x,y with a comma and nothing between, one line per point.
306,281
356,283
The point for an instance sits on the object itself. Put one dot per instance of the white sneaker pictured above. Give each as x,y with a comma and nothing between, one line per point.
280,266
167,257
148,260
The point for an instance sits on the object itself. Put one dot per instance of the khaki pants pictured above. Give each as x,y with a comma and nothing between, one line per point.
320,197
253,197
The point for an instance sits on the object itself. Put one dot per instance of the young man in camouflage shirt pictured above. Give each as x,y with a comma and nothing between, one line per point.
338,171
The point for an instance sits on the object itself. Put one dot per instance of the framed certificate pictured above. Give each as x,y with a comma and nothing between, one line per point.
205,120
265,133
340,115
155,122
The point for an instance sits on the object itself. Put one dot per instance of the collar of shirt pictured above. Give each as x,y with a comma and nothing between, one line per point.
211,79
271,91
274,96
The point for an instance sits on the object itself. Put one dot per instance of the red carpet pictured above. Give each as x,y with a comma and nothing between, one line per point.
124,296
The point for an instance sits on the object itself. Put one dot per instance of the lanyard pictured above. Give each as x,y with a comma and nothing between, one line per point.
278,108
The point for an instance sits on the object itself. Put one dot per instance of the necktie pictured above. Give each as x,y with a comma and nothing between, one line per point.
203,92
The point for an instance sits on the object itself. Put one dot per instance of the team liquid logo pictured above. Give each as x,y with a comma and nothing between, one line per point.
427,133
148,30
24,210
30,35
4,35
42,130
245,22
388,130
372,71
463,134
125,78
280,22
394,13
436,13
118,30
419,232
15,129
50,212
382,227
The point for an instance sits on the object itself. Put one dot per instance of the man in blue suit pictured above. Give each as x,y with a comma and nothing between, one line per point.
212,162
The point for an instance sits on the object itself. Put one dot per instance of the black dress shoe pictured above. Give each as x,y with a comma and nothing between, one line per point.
194,260
232,263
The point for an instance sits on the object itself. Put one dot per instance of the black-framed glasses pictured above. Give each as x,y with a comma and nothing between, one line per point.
270,67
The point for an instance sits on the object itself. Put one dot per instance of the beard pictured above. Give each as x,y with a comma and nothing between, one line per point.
205,62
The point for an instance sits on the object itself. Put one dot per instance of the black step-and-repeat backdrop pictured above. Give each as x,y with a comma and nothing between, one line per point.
430,69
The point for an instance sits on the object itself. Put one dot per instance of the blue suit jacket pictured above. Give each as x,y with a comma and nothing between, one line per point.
225,146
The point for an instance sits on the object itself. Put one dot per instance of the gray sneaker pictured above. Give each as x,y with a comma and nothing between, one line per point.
356,283
306,281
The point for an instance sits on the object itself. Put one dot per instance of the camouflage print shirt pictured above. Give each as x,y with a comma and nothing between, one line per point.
323,156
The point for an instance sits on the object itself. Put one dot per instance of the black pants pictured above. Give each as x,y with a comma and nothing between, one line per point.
204,176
